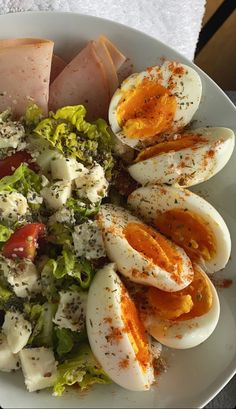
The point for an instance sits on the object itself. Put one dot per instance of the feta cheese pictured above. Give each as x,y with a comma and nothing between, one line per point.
13,205
93,184
88,240
8,360
45,157
34,198
57,194
39,368
11,134
63,215
22,275
71,310
17,330
66,168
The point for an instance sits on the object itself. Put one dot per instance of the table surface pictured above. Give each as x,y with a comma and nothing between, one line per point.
227,397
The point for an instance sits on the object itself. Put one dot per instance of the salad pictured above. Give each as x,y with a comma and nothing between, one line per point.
105,253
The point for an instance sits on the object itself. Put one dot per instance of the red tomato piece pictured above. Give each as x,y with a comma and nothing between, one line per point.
11,163
23,242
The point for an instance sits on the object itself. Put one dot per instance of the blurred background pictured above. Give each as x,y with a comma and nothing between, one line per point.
216,52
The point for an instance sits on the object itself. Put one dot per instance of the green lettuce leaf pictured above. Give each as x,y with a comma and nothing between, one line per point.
41,317
60,234
68,340
79,269
81,369
23,180
50,285
69,132
5,294
82,210
33,116
5,233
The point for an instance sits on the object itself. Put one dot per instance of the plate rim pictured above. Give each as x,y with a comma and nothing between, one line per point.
231,369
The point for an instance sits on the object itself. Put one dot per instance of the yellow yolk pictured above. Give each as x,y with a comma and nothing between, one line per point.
153,245
193,301
190,231
135,330
181,142
146,110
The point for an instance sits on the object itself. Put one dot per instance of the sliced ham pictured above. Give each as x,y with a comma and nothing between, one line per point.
109,66
25,66
117,57
58,64
83,81
89,79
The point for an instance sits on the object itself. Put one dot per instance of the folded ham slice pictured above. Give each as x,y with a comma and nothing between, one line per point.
83,81
58,64
117,57
25,66
89,79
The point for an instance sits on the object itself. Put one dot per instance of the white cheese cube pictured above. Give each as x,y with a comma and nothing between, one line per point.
11,134
17,330
88,240
57,194
22,275
66,168
8,360
63,215
13,205
45,157
92,185
39,368
71,310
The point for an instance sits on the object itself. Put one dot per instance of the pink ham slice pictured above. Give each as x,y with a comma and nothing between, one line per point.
83,81
25,66
58,64
117,57
89,79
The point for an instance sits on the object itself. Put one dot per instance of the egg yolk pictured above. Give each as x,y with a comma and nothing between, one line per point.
181,142
193,301
190,231
146,110
154,246
135,330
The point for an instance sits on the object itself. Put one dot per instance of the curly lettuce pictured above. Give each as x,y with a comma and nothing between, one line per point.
69,265
82,211
5,233
41,317
69,132
81,369
24,180
67,340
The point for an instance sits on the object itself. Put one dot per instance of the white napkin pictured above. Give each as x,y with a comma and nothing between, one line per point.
176,23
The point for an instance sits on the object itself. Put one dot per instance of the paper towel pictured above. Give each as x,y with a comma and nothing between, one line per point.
176,23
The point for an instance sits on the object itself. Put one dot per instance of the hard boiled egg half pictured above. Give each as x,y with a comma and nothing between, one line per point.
160,100
188,220
116,334
186,159
183,319
141,253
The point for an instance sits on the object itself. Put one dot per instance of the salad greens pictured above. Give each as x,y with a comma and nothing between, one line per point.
55,268
81,369
69,132
24,180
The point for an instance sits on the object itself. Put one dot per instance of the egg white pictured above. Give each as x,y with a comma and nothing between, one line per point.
189,166
104,311
187,88
146,201
113,220
184,334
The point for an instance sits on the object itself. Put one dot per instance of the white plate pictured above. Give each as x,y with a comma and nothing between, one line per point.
194,376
